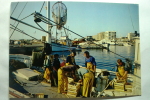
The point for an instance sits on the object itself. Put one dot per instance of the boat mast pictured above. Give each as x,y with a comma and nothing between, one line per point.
48,27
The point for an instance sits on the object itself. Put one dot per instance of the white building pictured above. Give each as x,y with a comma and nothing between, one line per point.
131,36
108,35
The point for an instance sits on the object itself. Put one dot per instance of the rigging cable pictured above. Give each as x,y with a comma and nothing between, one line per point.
62,26
67,40
24,33
56,35
30,35
14,8
27,24
72,32
18,17
42,6
131,18
80,35
40,26
23,18
17,29
26,17
13,12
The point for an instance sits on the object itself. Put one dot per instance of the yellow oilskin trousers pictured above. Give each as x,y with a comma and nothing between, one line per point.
88,80
62,81
90,66
67,64
121,72
47,74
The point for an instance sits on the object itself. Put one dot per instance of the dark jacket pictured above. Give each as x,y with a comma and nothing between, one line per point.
71,60
56,64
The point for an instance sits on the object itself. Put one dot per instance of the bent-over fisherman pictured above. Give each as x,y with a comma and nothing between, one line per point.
87,78
62,77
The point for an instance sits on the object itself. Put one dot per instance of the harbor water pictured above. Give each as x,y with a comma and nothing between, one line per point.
104,58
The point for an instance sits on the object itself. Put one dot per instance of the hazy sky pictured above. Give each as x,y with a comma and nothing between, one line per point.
84,18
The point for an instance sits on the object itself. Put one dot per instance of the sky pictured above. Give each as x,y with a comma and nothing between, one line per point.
84,18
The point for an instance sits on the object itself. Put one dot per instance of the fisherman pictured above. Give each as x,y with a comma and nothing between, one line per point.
56,66
87,77
121,71
47,63
70,59
62,77
48,70
90,62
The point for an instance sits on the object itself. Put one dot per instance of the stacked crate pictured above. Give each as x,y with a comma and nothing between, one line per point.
73,88
70,80
128,88
119,85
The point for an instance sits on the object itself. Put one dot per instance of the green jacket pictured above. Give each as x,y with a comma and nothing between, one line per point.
47,63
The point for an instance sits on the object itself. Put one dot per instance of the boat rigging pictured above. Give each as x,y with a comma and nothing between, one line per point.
59,12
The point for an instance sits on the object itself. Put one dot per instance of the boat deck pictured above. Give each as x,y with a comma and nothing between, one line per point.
24,86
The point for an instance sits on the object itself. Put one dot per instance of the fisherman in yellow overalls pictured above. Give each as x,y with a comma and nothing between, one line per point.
62,77
87,78
90,62
121,71
48,70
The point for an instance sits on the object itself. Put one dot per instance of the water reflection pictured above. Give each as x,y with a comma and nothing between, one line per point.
104,58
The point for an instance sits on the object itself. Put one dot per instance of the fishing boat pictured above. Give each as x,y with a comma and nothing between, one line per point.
133,88
78,48
27,49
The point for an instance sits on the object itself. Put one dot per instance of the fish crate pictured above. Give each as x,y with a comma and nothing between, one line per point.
128,88
73,89
119,86
39,95
70,80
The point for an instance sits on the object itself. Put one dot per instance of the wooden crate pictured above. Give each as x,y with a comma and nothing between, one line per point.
70,80
73,89
119,86
128,88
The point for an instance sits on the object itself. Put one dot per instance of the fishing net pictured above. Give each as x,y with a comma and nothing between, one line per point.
59,14
15,64
37,59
